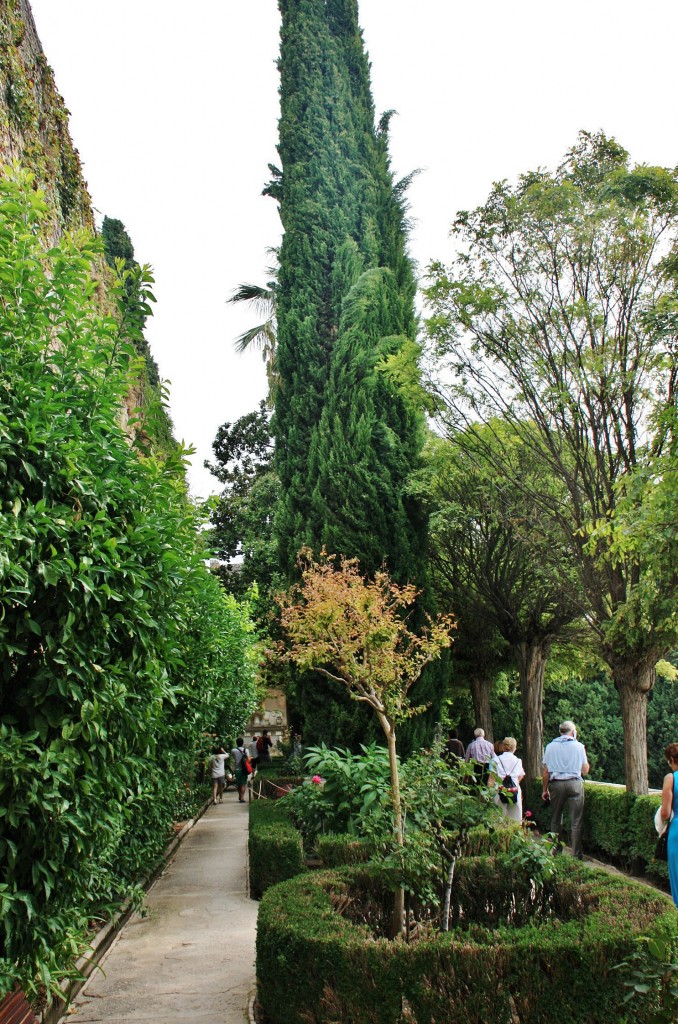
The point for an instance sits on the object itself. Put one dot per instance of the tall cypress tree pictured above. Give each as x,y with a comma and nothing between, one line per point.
347,437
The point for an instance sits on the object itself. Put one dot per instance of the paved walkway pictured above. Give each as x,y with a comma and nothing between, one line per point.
189,956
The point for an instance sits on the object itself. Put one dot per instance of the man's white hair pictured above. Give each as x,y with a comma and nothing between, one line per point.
478,732
567,727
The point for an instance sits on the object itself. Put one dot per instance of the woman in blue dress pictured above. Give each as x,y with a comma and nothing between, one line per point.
670,804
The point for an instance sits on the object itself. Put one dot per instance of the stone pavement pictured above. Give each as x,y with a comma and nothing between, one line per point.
189,956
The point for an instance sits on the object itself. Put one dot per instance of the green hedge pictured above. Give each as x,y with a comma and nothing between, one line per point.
274,846
270,786
337,850
481,841
618,826
316,966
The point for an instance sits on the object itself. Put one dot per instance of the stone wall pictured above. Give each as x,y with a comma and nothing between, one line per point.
34,121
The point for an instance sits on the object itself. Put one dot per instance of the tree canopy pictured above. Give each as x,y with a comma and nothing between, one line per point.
555,317
348,434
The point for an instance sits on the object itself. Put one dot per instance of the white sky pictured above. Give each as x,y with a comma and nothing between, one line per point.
174,111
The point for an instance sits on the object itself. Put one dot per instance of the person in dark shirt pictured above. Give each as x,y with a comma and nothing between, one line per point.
454,748
264,744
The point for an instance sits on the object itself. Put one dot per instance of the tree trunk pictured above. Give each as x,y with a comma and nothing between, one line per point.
445,922
532,657
633,680
481,687
398,912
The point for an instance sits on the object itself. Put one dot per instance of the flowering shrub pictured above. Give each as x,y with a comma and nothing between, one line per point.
347,793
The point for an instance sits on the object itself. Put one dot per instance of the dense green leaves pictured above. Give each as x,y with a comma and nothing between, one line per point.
556,316
135,309
117,647
242,516
348,421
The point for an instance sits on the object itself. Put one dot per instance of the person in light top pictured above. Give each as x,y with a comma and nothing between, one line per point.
564,765
507,765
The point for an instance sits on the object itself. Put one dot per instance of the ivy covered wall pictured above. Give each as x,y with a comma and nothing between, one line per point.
34,122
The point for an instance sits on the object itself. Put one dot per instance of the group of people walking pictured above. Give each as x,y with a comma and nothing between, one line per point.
564,765
238,765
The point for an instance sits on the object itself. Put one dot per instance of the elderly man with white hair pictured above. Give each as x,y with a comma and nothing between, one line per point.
564,765
481,751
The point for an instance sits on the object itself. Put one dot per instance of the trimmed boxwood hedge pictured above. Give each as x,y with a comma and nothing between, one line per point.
481,841
317,966
336,850
269,786
274,846
618,826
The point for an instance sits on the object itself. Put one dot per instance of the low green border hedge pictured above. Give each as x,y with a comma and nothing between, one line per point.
269,786
617,825
274,846
314,966
337,850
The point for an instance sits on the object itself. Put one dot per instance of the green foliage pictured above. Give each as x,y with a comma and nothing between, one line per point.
274,846
348,427
242,516
337,850
116,645
441,805
516,953
134,310
532,858
651,975
353,791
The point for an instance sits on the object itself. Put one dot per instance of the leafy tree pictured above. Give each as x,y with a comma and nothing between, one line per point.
497,564
264,335
442,804
348,433
554,316
242,518
117,647
353,631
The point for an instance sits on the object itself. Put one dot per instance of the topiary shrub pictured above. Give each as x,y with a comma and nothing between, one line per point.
606,821
514,953
337,850
269,786
482,841
643,838
274,846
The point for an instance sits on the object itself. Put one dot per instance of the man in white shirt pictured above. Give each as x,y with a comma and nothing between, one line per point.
564,765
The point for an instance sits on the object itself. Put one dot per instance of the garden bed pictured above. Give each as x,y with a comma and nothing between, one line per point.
514,951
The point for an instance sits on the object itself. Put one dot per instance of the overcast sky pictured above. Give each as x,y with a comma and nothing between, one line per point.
174,111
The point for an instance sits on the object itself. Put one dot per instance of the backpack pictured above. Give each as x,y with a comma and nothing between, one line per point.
246,764
508,789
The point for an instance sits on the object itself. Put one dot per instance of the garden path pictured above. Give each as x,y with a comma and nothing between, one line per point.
190,954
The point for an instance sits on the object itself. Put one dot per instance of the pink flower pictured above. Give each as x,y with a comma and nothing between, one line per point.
528,814
317,779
